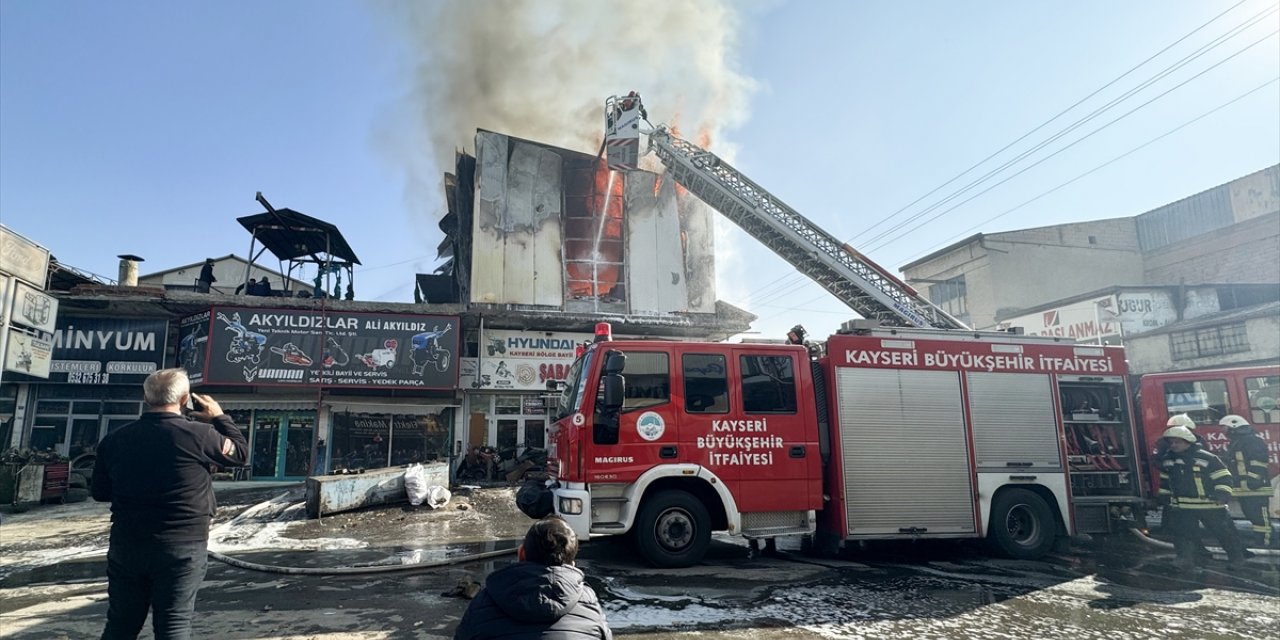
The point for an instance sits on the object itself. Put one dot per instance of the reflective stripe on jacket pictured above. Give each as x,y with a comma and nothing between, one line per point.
1247,455
1195,479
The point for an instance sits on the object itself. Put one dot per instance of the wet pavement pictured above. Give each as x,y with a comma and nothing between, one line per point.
53,585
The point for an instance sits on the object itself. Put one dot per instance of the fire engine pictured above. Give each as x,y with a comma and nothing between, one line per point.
910,426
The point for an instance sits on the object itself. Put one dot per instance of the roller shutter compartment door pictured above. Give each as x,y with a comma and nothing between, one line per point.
1014,426
905,454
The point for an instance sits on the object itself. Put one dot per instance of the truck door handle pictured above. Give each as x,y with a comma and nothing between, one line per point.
797,451
667,452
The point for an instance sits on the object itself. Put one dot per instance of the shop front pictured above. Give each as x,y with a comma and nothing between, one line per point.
300,363
95,381
506,387
365,436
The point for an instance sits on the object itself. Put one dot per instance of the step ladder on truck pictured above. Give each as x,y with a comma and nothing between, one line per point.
910,426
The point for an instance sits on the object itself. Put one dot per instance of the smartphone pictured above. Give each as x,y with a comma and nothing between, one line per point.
193,405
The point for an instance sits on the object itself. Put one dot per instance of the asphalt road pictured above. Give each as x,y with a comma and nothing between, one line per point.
54,586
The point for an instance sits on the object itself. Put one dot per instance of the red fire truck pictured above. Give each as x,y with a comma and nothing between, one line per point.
1206,396
897,433
912,425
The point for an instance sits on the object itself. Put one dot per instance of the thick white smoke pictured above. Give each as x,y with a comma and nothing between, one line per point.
541,70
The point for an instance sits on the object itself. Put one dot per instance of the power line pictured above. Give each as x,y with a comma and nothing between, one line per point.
1108,163
1072,144
1073,180
1081,122
777,287
1047,122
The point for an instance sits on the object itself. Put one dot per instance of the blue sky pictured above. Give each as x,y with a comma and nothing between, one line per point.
146,128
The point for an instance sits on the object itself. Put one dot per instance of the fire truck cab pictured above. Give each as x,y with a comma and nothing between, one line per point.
895,434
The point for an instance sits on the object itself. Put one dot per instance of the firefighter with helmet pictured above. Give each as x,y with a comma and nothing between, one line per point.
1198,487
1247,458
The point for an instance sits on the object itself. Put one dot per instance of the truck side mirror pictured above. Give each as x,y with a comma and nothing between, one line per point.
613,392
614,362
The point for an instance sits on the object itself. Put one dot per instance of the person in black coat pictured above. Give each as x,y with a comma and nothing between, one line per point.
206,278
155,473
541,597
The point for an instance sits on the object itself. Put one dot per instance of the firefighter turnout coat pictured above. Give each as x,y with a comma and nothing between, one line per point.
1247,456
1195,479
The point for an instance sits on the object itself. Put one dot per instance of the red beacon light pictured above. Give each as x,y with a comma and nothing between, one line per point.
604,332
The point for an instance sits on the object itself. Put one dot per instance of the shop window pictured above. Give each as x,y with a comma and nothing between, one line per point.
648,380
768,384
508,405
89,407
951,295
706,386
1263,393
1205,401
53,407
47,433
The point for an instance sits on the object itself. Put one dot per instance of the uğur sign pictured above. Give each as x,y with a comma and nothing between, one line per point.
287,347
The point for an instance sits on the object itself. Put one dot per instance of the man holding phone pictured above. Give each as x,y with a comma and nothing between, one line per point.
155,474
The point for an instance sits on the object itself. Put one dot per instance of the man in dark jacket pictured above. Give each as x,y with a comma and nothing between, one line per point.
206,278
155,474
1198,487
541,597
1248,458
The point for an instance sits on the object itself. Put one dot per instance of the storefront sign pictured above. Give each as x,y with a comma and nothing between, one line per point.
521,360
1100,319
106,350
23,259
230,345
34,308
28,354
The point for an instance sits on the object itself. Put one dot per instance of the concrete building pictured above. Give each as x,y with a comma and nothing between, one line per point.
1229,234
229,271
1240,337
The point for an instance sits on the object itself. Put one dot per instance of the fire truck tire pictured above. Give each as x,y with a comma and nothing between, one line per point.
1022,526
673,529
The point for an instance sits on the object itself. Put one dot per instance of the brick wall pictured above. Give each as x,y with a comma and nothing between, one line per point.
1248,252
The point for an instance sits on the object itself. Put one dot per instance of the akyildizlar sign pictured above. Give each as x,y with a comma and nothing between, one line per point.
290,347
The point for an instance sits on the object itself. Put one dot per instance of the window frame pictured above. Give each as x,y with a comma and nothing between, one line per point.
684,384
742,384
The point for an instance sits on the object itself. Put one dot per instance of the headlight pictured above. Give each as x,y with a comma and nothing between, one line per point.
571,506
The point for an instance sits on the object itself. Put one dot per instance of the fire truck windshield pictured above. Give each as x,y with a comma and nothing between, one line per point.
575,383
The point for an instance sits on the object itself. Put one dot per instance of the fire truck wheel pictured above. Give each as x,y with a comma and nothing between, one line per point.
1022,525
673,529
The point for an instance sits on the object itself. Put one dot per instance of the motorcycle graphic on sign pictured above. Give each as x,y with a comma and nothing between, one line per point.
427,350
247,345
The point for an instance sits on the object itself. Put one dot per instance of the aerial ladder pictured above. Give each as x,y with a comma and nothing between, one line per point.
865,286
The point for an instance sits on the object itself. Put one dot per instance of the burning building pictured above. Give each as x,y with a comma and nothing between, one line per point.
552,229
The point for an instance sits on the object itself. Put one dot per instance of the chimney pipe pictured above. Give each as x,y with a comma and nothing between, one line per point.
128,270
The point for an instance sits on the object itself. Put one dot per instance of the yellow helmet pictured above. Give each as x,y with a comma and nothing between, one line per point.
1181,420
1179,432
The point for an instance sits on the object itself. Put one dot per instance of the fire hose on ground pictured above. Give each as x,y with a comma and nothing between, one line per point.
357,569
1218,550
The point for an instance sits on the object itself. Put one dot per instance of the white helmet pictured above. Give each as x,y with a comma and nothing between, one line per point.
1181,420
1233,422
1179,432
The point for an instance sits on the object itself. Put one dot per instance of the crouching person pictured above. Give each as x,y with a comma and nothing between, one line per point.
541,597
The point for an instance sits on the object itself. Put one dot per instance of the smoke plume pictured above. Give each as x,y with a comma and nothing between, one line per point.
541,70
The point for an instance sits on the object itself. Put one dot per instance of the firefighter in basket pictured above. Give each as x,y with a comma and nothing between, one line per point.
1198,487
1247,457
